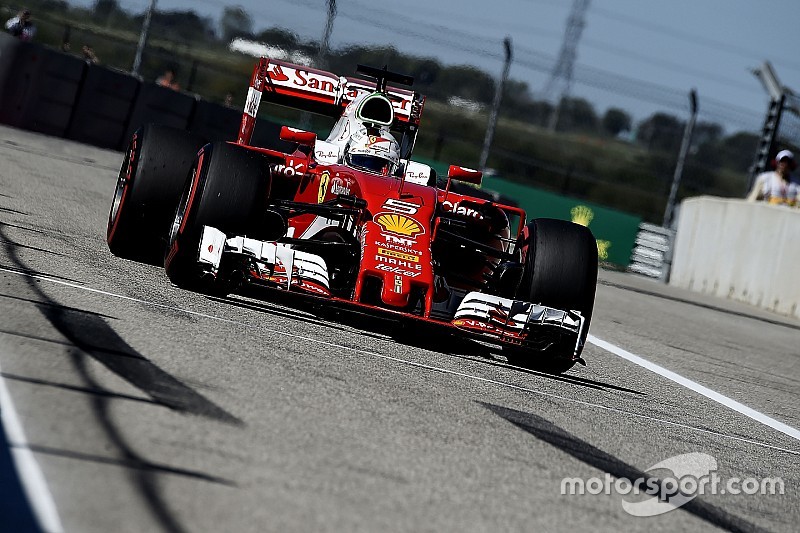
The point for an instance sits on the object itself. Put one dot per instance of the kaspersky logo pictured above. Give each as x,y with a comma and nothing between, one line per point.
399,225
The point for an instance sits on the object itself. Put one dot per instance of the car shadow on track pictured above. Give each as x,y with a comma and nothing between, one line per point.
90,337
419,335
584,452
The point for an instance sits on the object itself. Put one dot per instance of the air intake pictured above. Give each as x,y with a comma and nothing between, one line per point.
376,109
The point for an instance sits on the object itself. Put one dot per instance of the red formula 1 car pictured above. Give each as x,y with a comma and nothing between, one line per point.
354,220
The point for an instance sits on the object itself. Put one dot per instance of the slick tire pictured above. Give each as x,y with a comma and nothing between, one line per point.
560,271
149,186
227,189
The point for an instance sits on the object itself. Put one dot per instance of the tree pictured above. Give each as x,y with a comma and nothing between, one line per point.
235,22
706,133
280,37
661,132
738,150
615,121
104,8
467,82
185,26
577,114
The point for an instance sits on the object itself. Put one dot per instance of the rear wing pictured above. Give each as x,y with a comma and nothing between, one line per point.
323,93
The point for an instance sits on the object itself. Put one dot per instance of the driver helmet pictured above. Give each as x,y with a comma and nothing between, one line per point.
373,151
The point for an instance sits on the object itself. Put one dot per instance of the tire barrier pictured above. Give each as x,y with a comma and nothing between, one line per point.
160,105
39,86
48,91
652,252
103,108
215,122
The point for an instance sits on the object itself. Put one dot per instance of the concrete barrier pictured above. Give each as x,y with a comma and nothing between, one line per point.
104,107
39,86
739,250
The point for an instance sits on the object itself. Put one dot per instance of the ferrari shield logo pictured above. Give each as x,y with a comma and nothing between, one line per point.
324,179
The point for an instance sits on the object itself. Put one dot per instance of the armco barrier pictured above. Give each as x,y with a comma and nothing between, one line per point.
739,250
39,86
104,107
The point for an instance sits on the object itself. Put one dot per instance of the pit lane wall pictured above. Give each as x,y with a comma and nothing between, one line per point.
739,250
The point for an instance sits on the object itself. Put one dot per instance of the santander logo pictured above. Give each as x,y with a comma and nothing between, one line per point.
277,74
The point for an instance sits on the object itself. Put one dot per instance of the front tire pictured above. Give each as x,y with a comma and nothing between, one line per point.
560,271
227,189
149,185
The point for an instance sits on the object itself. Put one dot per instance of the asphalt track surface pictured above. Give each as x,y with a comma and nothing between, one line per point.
143,407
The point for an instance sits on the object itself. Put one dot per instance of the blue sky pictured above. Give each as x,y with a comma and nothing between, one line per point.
641,55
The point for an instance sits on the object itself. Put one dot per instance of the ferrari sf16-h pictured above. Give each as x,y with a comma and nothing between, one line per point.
353,220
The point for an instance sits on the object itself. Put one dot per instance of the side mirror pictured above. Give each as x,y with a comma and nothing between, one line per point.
466,175
293,135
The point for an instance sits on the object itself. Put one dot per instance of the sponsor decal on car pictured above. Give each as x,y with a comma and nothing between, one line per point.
417,177
404,246
289,169
324,179
323,83
399,206
329,155
398,284
398,255
397,270
457,209
399,224
399,241
277,74
252,102
338,187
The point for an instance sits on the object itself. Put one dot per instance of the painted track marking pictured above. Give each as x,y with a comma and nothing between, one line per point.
696,387
30,473
594,340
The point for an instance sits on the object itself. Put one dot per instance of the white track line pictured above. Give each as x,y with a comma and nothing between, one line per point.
593,339
696,387
30,474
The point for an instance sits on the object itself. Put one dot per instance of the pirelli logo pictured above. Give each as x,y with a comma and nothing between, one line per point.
398,255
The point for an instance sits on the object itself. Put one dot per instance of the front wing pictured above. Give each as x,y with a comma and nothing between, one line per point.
507,321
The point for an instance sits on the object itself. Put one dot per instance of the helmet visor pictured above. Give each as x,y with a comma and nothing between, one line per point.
370,163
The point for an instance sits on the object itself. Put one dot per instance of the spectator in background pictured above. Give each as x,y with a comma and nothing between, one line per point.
777,186
21,26
88,55
168,80
228,102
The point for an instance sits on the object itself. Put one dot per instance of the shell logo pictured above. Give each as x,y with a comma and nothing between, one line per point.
399,224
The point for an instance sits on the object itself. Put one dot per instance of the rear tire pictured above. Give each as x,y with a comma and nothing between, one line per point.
227,189
560,272
149,185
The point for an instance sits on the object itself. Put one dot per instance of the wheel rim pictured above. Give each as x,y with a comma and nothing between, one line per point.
180,212
122,185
